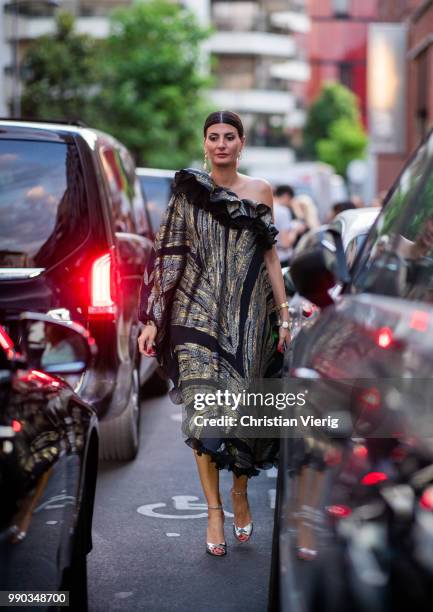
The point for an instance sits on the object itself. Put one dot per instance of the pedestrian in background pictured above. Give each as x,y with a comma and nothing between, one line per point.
210,301
306,215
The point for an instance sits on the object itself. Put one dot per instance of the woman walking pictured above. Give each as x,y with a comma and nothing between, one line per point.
210,301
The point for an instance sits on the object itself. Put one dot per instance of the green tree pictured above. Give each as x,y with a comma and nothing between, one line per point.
334,104
59,72
346,141
152,88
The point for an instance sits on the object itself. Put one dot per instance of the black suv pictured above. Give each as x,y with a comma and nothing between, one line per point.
74,240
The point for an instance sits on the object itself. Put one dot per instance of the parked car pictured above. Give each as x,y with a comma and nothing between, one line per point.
156,187
358,502
353,227
74,239
48,458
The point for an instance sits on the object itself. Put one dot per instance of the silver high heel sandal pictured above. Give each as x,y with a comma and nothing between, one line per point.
242,534
216,550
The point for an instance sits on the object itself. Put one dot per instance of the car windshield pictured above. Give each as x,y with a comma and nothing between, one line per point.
42,202
398,257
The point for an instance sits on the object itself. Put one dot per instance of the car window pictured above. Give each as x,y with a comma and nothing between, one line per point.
43,204
157,191
398,256
122,188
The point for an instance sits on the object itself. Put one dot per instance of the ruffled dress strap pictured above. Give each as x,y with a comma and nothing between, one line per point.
226,206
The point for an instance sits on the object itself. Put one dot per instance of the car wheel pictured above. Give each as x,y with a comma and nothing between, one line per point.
156,386
120,436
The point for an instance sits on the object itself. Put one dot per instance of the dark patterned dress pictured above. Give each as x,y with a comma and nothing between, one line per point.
208,291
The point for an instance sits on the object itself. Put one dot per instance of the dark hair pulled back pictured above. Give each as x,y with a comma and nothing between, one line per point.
224,117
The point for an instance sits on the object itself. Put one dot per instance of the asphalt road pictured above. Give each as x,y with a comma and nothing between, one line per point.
149,531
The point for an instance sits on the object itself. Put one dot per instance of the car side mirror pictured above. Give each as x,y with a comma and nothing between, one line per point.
54,346
319,265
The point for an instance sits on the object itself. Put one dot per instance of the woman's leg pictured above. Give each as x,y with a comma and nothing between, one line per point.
209,478
241,508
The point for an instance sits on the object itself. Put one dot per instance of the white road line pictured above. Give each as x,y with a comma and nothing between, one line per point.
176,417
173,535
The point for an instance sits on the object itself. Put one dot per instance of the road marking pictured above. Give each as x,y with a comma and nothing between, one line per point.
176,417
173,535
180,502
123,594
271,495
272,473
51,522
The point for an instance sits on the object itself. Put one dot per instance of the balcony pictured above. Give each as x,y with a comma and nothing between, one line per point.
251,43
31,28
293,70
254,100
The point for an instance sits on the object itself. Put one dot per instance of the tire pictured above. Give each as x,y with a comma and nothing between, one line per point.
156,386
119,437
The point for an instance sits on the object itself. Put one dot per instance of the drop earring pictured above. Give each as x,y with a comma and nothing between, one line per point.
205,168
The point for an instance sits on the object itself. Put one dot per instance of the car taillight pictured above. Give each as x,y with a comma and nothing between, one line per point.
374,478
339,511
5,342
101,299
426,500
384,337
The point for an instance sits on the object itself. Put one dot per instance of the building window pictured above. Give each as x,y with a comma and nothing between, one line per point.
341,8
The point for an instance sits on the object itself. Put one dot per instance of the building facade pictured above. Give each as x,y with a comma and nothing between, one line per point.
254,56
337,45
417,17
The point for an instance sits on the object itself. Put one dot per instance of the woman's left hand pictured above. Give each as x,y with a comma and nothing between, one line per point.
284,339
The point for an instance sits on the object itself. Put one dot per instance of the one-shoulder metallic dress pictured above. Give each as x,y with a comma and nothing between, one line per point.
208,291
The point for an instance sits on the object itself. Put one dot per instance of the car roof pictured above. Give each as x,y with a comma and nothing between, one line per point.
157,172
355,222
46,130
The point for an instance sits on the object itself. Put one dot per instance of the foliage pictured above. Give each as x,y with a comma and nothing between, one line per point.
333,131
152,85
58,72
346,141
144,84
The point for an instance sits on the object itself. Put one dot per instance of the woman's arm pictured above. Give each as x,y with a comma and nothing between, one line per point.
274,270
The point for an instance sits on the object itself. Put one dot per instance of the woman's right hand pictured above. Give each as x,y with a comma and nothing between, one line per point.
146,341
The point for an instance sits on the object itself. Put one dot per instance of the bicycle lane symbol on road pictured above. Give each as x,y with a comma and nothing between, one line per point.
180,503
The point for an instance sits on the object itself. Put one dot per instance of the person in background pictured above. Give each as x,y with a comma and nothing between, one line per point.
340,207
306,215
288,227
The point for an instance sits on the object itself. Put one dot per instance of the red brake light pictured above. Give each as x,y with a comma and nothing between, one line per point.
360,451
373,478
5,342
384,337
16,426
102,302
426,500
339,511
419,320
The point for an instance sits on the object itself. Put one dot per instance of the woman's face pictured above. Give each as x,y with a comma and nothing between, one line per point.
223,144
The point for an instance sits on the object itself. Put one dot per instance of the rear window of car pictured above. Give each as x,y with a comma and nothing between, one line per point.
43,208
157,192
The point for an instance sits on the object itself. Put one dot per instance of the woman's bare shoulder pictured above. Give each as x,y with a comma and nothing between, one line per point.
261,188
